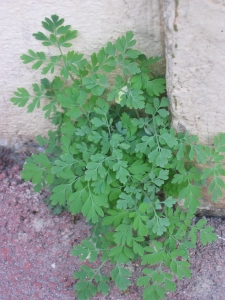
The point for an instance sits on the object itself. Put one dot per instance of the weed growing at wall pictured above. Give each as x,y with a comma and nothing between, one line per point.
114,158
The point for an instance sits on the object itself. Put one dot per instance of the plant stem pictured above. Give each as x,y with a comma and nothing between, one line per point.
64,63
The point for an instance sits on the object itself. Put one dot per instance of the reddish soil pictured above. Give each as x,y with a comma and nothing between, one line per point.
35,259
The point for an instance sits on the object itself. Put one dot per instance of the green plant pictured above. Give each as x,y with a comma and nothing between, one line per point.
114,158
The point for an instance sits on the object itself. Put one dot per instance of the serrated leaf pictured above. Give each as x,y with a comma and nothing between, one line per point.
130,68
119,275
103,288
149,293
92,208
162,158
138,249
123,234
191,194
132,53
169,202
201,223
86,251
170,285
61,194
22,97
143,280
169,139
156,87
207,236
32,172
180,268
121,171
125,201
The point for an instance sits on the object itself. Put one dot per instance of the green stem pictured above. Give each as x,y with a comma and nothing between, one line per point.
137,113
108,126
64,62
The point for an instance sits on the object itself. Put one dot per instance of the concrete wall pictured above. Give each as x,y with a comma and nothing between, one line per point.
97,22
195,53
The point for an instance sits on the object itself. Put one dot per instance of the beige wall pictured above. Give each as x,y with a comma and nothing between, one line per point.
195,52
97,22
195,43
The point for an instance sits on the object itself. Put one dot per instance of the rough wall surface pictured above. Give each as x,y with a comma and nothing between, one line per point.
97,22
195,56
195,43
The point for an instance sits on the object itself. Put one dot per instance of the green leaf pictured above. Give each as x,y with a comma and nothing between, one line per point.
163,113
219,142
63,29
129,39
61,194
22,97
125,201
149,293
160,158
132,53
191,194
170,285
74,113
86,250
103,288
92,208
39,57
181,151
121,172
139,168
130,68
169,202
160,291
180,268
169,139
207,173
139,226
123,234
97,122
160,226
153,258
201,223
193,235
119,275
143,281
116,250
32,172
207,236
84,289
164,102
138,249
70,35
156,87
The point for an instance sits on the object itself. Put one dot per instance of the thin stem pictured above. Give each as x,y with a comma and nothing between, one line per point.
108,126
64,63
137,113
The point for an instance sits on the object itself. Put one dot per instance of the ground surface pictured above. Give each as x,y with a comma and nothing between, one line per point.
35,259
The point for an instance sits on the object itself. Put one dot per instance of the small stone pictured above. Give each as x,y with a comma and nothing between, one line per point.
53,265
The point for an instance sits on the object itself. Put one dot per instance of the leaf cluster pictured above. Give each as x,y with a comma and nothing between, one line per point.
115,159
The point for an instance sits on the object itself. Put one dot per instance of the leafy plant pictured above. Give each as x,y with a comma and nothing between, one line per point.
114,158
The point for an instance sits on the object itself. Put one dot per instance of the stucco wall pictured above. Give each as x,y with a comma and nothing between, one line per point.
195,53
195,56
97,22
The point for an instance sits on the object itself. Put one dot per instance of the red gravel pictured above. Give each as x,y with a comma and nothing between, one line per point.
34,253
35,259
